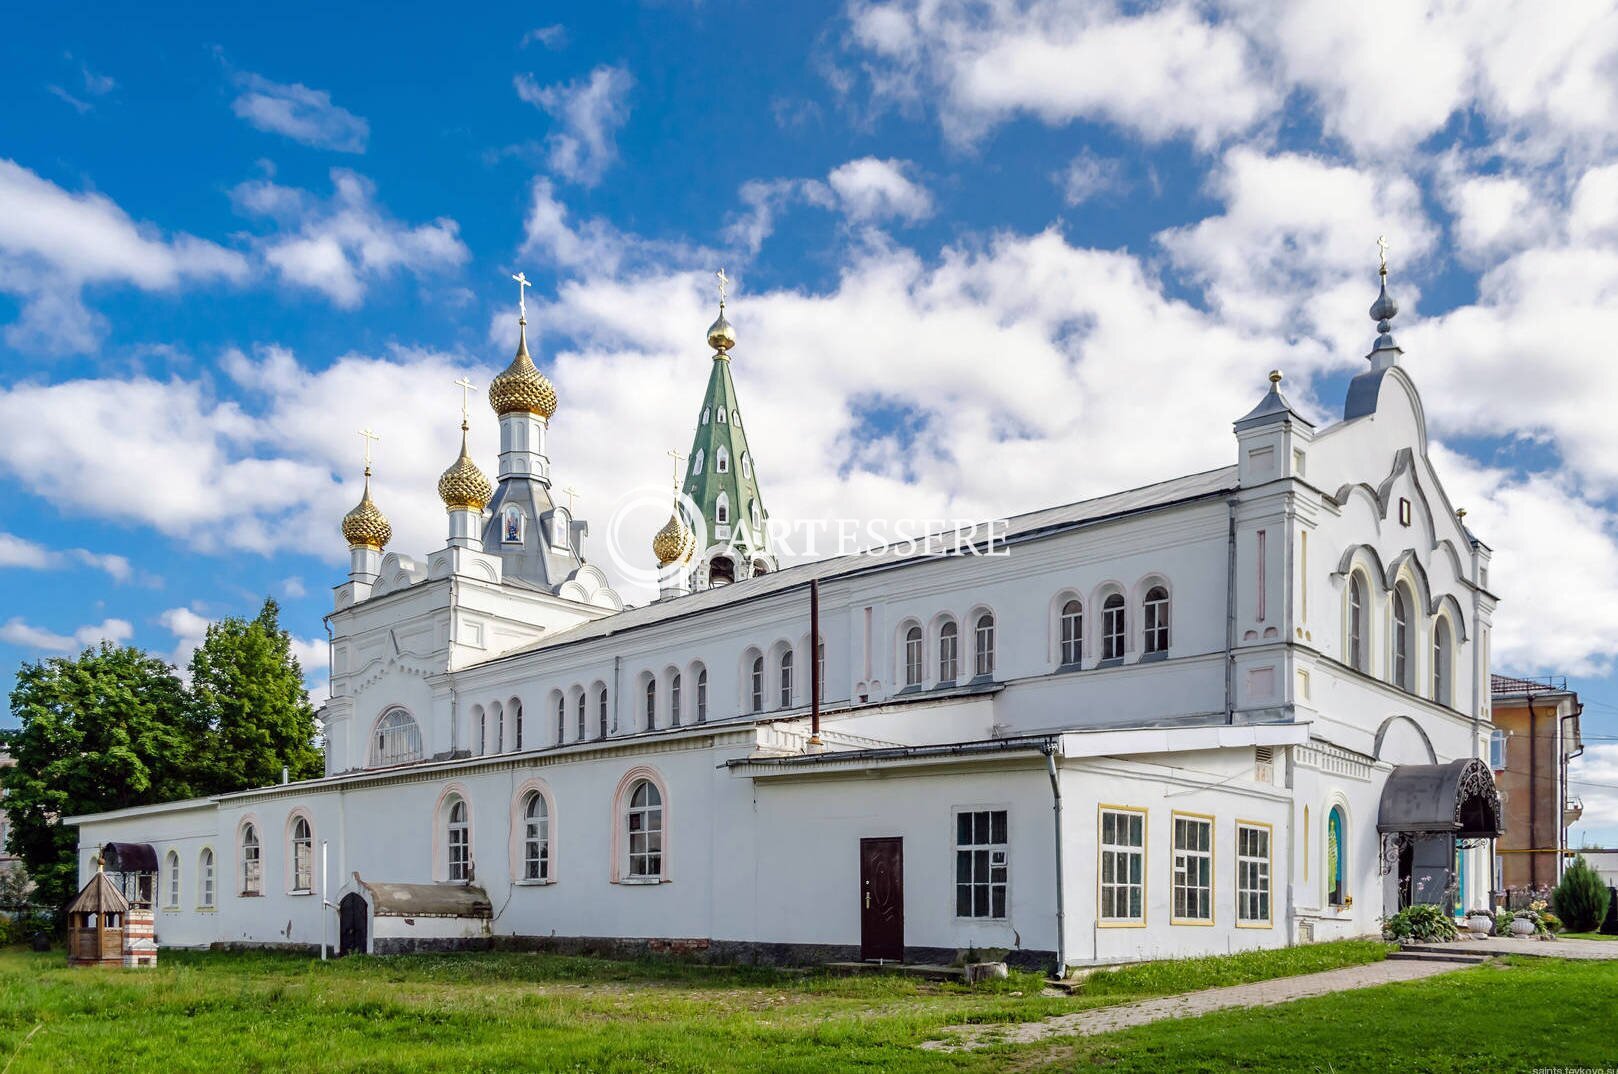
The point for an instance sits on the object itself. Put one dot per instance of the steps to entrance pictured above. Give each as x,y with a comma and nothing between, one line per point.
908,969
1425,953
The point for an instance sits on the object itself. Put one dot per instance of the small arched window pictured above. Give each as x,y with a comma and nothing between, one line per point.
601,706
516,723
252,863
458,840
674,700
171,880
704,415
561,719
735,416
1155,613
913,656
511,524
1357,646
497,728
303,855
1112,627
949,652
755,514
397,740
644,825
702,695
583,717
721,510
1072,634
697,460
1442,658
536,837
1401,638
205,879
786,679
983,647
651,703
747,462
1336,858
720,414
721,460
756,684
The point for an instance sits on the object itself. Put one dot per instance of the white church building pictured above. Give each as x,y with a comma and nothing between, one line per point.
1240,708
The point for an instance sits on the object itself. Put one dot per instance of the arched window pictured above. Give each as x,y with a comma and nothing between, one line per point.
561,719
583,717
1401,639
756,684
171,878
1072,633
1336,859
674,700
516,724
704,415
702,695
747,463
536,837
651,703
497,728
252,862
720,415
481,721
205,879
721,460
1112,627
735,416
949,652
721,510
302,848
1156,616
511,524
1442,646
983,648
697,460
1356,622
644,822
786,679
458,841
397,740
757,517
601,706
913,656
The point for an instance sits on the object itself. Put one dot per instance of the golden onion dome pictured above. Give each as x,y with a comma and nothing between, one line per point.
522,387
463,485
674,543
366,526
721,337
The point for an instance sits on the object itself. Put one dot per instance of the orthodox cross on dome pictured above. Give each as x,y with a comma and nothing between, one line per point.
522,294
679,465
466,387
1382,253
724,282
368,437
570,492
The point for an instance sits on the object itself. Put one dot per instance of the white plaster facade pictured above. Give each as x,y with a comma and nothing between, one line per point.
1254,715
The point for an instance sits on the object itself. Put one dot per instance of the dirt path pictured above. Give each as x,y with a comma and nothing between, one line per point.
1125,1015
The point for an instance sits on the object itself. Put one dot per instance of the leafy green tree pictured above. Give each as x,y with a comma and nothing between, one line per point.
106,730
1581,898
249,704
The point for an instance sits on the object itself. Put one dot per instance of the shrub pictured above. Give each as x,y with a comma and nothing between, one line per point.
1551,922
1422,923
1581,897
1502,922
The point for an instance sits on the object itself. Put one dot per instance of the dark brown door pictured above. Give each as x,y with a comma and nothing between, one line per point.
882,899
351,925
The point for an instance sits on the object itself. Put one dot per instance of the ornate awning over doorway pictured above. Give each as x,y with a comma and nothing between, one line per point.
1458,798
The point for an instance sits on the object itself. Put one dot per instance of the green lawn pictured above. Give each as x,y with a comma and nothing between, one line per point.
1585,936
500,1012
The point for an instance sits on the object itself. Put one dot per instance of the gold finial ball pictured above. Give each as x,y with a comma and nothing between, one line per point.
1275,376
674,543
721,337
463,486
1460,514
366,526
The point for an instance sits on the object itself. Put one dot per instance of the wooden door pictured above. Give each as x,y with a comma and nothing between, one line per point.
351,925
882,899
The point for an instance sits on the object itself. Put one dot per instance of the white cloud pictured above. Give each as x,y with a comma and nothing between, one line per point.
1493,214
870,190
1593,776
16,631
552,37
1088,176
53,244
300,113
19,552
588,113
339,245
293,587
595,246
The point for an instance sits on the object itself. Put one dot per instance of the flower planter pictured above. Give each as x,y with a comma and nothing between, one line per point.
1480,924
1521,926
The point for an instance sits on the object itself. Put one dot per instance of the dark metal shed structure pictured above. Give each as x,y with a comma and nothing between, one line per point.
1427,812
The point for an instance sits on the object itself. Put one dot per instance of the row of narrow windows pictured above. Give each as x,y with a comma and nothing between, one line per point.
1403,625
721,462
735,415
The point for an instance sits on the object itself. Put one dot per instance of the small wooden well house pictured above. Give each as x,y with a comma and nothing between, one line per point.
95,924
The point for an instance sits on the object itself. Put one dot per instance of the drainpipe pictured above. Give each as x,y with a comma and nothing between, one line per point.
814,661
1061,905
1230,616
1533,798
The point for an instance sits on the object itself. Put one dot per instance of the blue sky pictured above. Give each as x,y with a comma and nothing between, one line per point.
971,243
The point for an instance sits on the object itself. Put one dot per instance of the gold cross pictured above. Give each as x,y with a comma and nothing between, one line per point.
679,464
369,436
466,387
1382,252
522,294
724,281
570,492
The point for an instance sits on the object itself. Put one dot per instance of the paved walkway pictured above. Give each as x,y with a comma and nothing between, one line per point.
1515,945
1257,994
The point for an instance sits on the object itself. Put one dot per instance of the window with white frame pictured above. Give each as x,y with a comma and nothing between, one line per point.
252,862
302,846
1123,865
1072,634
1401,638
1193,869
980,863
398,739
702,695
705,413
747,466
601,714
458,841
536,837
1253,874
1497,750
205,879
651,704
756,685
721,510
913,656
698,459
644,826
1155,614
1443,649
949,653
721,460
1357,646
1112,627
786,679
171,888
583,717
720,415
561,719
674,700
516,724
983,648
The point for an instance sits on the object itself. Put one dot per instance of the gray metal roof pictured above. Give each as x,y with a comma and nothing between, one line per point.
426,900
1023,527
1458,797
